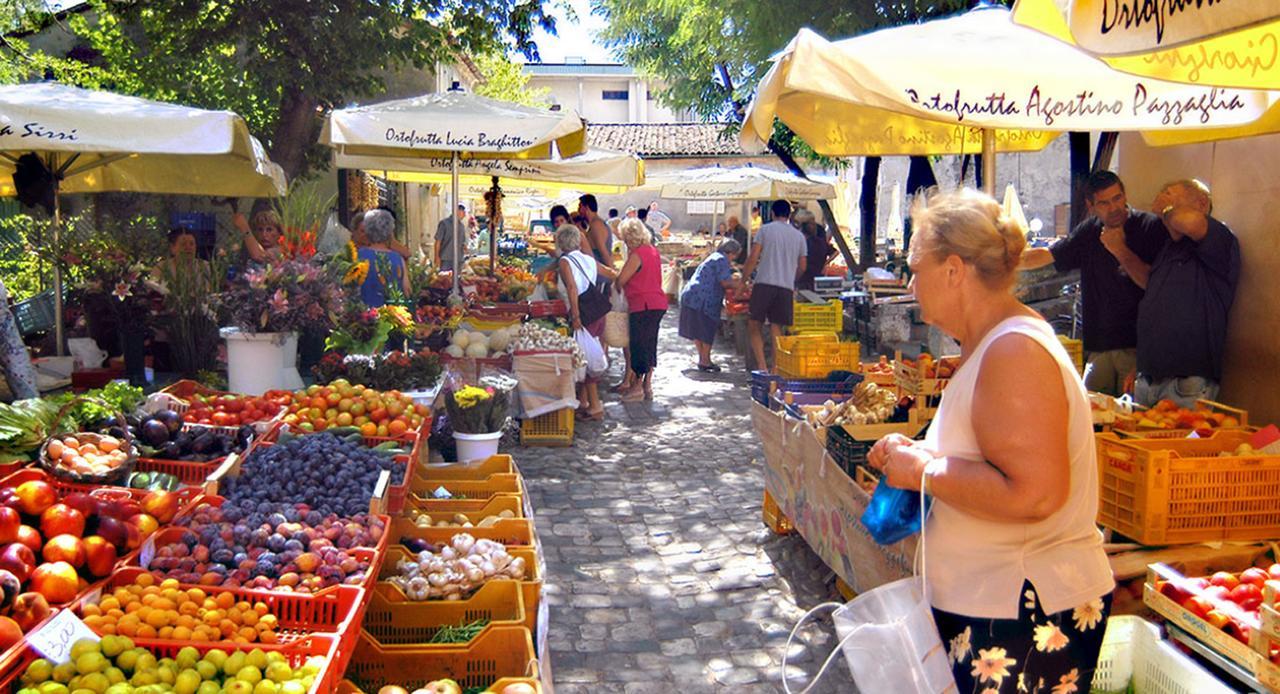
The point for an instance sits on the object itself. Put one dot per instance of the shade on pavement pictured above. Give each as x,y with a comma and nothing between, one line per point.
1230,44
930,88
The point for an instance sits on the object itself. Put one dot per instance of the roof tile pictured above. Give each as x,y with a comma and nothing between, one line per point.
670,140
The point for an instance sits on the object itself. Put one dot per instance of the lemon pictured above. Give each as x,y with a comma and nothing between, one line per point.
83,646
91,661
53,688
209,688
113,646
114,675
257,658
279,672
249,674
146,660
266,687
95,682
143,678
187,682
187,658
217,657
234,662
38,671
293,687
64,672
207,670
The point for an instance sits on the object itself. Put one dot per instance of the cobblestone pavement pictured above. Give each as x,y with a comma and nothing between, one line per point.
661,576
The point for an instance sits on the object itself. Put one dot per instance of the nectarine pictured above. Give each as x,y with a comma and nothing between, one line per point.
57,581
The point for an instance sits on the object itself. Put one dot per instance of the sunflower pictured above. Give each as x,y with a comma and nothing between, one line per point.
357,273
399,316
351,251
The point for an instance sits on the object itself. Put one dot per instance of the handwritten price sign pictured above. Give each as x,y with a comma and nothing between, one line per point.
55,639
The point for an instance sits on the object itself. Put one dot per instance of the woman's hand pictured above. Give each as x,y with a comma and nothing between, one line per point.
901,460
577,323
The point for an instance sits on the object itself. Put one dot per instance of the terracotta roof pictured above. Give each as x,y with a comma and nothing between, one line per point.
665,140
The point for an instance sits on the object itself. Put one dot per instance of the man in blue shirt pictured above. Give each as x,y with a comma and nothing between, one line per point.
1182,320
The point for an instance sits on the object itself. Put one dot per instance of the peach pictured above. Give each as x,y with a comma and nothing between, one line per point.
10,521
100,556
145,524
29,609
65,548
161,505
60,519
57,581
85,504
34,496
19,560
30,537
10,633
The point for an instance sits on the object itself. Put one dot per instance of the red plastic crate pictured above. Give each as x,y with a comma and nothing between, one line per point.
548,309
187,496
295,653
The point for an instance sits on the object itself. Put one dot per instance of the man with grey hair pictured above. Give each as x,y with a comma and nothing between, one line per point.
702,300
1182,319
379,229
444,238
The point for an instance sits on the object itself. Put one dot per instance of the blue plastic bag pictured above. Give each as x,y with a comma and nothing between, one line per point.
893,514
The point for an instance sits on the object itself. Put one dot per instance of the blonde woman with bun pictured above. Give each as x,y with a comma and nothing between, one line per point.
1017,576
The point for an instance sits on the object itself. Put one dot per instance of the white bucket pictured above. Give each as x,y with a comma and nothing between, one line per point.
258,362
476,446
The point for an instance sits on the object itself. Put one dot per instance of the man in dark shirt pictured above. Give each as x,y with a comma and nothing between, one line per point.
1113,250
1182,320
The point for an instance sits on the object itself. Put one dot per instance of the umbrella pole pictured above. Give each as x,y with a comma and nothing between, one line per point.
57,273
453,212
989,161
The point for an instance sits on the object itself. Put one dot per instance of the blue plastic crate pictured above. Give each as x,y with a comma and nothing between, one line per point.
763,382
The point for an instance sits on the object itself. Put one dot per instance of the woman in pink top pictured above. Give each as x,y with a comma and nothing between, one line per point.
1017,576
641,281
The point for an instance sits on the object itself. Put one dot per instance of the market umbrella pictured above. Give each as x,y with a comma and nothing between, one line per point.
942,87
1211,43
454,125
94,142
593,171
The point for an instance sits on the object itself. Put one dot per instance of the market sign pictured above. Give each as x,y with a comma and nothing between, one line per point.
1119,27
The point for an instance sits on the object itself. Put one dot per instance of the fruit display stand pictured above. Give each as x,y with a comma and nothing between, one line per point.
1251,652
393,621
1151,421
916,381
530,586
379,502
499,653
397,489
1168,491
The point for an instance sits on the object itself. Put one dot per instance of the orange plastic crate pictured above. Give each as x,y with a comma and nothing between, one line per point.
390,621
476,470
296,653
475,511
474,490
530,586
1170,491
816,319
187,496
499,652
814,356
550,429
512,532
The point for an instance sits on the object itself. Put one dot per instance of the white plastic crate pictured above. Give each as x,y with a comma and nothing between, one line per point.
1132,651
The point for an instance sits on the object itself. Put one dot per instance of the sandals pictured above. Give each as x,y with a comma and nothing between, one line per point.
589,416
709,368
634,395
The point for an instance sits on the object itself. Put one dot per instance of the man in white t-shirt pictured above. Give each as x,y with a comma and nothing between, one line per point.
658,221
778,258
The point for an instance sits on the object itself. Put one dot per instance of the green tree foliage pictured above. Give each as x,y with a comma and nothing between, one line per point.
283,64
506,80
20,62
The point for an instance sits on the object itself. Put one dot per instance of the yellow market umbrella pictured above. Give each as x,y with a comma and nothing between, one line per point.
96,142
594,171
942,87
1226,44
457,126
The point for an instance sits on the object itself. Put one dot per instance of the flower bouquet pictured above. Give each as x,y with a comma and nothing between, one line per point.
391,371
481,408
289,296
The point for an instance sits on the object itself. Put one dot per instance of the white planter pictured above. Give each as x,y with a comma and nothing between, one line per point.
476,446
258,362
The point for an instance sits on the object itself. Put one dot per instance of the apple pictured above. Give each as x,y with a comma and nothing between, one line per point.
1176,591
1255,576
1216,594
57,581
10,633
113,530
29,609
1247,595
60,519
100,556
1198,606
1226,579
1217,619
161,505
10,521
121,509
34,496
64,548
85,504
19,560
30,537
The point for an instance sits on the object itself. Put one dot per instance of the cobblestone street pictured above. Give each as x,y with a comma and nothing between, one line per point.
661,575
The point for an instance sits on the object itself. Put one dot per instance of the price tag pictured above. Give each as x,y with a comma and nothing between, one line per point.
55,639
147,553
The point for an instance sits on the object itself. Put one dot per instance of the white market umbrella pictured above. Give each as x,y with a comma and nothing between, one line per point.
1229,44
593,171
1013,207
894,230
975,81
454,125
743,183
97,142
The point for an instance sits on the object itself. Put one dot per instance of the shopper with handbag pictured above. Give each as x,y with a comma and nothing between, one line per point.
702,301
1017,576
641,280
580,280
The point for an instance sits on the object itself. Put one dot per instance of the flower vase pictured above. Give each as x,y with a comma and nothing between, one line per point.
258,362
477,446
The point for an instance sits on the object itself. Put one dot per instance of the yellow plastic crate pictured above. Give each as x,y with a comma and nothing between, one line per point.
1075,348
812,319
814,356
550,429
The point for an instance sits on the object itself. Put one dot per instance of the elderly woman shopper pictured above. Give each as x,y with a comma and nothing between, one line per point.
576,273
702,300
1017,576
641,282
386,267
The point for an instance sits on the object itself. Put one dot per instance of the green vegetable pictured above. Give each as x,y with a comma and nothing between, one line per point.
462,633
119,397
25,425
139,480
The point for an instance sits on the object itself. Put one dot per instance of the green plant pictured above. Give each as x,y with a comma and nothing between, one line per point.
189,312
301,212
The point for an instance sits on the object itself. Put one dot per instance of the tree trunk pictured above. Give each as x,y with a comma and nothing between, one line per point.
295,132
867,206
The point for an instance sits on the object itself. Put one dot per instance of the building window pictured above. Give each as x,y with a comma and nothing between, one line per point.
614,95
